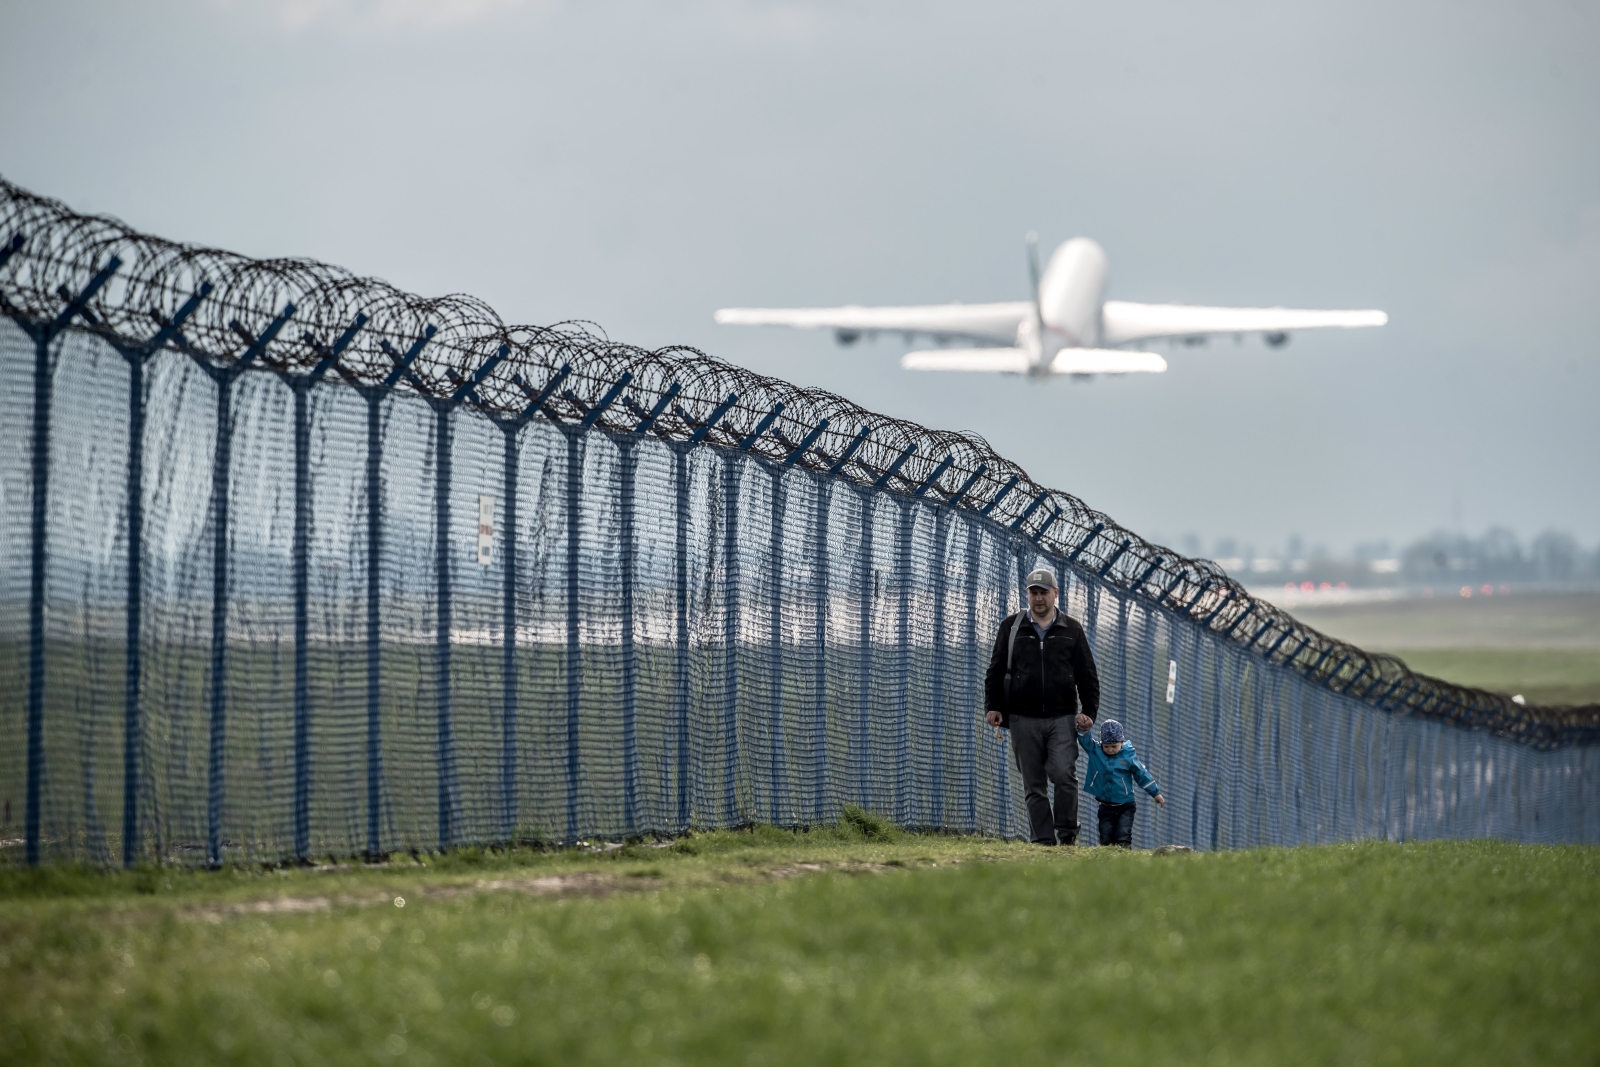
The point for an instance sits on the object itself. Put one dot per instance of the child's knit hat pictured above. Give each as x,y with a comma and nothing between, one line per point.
1111,732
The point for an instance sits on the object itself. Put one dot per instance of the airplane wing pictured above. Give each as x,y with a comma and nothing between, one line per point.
1018,361
1122,322
981,322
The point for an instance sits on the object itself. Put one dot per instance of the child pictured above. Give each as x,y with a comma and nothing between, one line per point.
1113,769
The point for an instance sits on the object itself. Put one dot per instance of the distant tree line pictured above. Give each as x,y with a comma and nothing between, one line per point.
1440,559
1498,556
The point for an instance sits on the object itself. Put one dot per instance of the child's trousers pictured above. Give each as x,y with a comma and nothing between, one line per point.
1116,823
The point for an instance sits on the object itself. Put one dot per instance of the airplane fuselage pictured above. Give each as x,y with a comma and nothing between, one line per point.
1068,328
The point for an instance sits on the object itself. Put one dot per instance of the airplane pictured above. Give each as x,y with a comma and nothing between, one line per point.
1067,329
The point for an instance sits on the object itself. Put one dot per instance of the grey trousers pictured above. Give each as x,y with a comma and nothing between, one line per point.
1047,751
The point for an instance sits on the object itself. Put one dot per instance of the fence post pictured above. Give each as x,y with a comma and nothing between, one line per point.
43,373
221,475
730,638
776,785
628,462
819,595
859,735
1007,592
1162,753
445,755
1219,735
1112,561
902,757
510,428
1027,512
133,671
574,649
976,696
43,382
299,553
864,591
301,385
779,785
508,641
1237,619
680,473
994,501
136,355
972,479
938,666
574,434
680,672
374,490
630,663
374,396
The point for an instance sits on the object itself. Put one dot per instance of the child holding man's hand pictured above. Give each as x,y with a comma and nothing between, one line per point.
1113,769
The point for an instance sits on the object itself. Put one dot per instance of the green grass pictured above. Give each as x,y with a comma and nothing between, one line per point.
1518,620
1545,646
853,945
1543,676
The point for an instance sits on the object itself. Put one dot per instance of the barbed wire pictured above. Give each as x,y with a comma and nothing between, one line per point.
52,253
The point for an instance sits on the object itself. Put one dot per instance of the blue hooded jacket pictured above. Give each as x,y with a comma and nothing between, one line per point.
1110,778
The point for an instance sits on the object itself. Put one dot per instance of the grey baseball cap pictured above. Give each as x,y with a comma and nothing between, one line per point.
1043,578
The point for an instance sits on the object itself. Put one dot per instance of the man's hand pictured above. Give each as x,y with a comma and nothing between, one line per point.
992,718
1161,801
1083,723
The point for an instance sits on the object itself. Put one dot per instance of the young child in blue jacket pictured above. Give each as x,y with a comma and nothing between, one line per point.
1113,769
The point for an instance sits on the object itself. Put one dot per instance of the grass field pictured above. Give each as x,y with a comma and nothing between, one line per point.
853,945
1545,646
1542,676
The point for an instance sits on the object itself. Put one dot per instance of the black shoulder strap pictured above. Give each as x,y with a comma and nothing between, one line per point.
1011,642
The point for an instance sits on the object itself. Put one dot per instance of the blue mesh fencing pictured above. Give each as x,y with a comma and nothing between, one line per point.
270,594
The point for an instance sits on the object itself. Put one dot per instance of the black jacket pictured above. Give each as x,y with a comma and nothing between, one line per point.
1047,680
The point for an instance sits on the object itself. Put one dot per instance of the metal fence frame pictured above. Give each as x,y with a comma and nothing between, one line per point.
315,327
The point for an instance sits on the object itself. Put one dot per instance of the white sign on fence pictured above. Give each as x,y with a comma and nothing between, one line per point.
485,529
1172,680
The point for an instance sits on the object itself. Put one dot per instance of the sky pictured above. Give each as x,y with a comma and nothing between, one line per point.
641,164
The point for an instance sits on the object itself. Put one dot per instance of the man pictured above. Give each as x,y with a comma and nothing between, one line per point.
1051,668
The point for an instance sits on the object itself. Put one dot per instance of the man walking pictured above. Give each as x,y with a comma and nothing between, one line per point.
1040,668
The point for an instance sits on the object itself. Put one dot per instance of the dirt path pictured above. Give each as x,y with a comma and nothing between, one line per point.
574,884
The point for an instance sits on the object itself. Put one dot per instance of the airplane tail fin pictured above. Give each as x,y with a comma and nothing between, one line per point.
1032,241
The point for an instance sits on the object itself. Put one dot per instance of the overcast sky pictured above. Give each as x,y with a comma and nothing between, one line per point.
641,164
